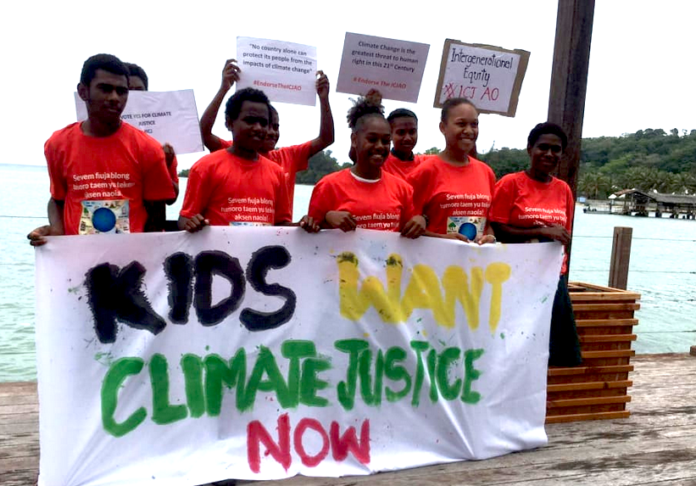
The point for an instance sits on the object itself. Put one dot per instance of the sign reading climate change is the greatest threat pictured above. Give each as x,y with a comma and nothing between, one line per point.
394,67
257,353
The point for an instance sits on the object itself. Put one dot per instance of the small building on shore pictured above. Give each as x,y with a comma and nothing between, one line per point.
639,203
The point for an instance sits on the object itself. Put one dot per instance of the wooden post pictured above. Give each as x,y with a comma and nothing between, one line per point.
571,60
620,257
693,351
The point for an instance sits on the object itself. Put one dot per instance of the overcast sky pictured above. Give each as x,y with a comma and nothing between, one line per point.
641,64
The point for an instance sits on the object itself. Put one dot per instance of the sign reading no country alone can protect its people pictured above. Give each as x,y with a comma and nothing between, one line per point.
394,67
285,71
167,116
491,77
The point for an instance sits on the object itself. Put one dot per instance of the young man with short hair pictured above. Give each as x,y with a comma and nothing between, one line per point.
105,174
238,186
292,159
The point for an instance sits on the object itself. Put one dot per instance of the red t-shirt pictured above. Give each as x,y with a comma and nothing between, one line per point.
522,201
104,180
385,205
292,159
455,199
229,190
401,168
172,171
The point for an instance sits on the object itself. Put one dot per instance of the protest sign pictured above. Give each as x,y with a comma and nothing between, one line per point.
258,353
394,67
285,71
491,77
167,116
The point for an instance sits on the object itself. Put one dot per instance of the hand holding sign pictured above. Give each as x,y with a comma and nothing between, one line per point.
230,74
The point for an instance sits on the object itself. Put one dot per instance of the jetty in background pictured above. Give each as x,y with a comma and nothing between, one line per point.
631,202
654,446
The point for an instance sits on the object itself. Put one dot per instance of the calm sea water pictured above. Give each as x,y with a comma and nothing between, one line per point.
663,268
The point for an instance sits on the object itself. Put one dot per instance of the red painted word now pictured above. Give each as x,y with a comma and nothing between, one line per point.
340,445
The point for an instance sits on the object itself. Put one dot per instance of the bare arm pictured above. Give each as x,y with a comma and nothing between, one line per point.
515,234
55,226
326,123
230,74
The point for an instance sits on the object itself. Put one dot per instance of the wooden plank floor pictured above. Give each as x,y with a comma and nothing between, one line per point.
656,446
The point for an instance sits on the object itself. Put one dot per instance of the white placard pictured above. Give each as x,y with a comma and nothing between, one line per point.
394,67
285,71
168,116
171,359
491,77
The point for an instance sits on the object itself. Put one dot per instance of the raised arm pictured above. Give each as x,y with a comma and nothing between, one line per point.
326,124
230,74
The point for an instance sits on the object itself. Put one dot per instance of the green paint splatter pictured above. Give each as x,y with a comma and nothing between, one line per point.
546,297
207,348
442,343
74,290
419,319
502,335
105,359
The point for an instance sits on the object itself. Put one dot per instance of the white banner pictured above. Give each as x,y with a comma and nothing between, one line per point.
285,71
259,353
491,77
394,67
168,116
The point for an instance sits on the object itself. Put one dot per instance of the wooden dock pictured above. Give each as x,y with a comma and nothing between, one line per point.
655,446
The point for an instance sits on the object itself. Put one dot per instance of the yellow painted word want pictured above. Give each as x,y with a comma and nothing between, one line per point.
424,291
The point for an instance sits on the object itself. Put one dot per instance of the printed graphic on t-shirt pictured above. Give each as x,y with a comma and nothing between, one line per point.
110,216
466,225
538,215
379,221
257,211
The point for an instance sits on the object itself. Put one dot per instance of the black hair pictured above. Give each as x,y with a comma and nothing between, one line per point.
106,62
136,71
401,113
451,103
365,106
234,104
544,129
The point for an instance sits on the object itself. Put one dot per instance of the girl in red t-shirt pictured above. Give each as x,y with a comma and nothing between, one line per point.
532,205
364,196
453,189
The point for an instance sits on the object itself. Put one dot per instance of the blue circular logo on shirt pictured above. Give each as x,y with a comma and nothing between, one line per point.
103,220
468,230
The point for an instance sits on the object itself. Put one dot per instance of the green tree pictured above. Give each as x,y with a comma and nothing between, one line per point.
320,165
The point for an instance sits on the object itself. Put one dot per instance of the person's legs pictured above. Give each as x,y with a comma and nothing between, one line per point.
564,346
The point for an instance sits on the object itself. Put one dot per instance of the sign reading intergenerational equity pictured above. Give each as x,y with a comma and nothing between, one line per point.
168,116
491,77
285,71
393,67
259,353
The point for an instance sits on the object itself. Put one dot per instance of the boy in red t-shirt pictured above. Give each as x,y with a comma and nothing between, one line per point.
404,135
105,175
238,186
292,159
